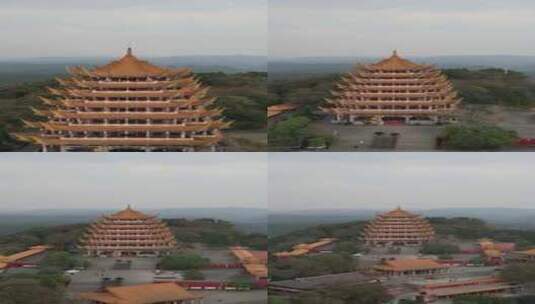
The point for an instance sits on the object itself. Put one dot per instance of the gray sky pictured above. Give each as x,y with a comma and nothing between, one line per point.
145,180
37,28
300,181
414,27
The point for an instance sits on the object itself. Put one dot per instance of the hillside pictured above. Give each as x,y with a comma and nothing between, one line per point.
247,220
23,70
503,218
306,67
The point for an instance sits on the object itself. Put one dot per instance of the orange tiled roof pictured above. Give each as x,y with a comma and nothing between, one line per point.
34,250
129,214
129,65
395,62
527,252
254,261
140,294
302,249
277,109
410,264
492,253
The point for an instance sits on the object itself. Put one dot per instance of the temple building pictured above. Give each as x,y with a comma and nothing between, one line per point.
128,233
157,293
126,105
31,256
322,245
393,91
483,286
253,262
410,267
398,228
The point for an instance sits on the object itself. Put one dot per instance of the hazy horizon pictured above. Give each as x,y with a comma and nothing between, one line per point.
382,181
74,28
146,181
415,28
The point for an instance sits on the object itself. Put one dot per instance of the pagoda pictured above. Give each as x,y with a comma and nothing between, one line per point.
128,233
398,228
394,90
126,105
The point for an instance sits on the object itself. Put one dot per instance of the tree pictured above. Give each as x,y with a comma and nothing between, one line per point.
183,262
440,248
243,111
477,138
520,273
28,292
348,247
60,260
193,275
289,133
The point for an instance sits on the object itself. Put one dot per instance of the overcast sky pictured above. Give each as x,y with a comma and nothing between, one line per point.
299,181
145,180
37,28
414,27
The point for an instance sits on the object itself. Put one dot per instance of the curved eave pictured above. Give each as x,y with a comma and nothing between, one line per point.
133,115
162,93
129,104
217,124
130,142
135,74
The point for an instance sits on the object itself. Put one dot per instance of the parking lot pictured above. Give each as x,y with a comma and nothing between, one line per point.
141,271
131,271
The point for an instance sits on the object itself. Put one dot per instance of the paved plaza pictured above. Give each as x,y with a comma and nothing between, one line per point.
131,271
423,138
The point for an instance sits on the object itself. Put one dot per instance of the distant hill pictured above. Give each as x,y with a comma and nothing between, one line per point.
245,219
506,218
313,66
37,69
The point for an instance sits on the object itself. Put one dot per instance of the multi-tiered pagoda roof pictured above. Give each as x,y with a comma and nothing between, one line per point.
398,227
393,90
128,104
128,233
